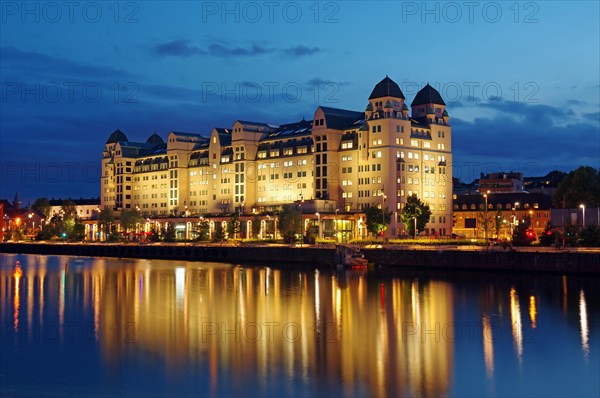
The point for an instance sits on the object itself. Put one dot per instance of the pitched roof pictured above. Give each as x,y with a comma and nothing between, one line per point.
224,136
116,136
386,88
428,95
340,119
155,139
301,128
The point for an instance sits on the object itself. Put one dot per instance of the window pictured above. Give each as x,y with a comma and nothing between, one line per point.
347,145
414,143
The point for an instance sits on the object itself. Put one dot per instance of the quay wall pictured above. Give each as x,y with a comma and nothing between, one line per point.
448,259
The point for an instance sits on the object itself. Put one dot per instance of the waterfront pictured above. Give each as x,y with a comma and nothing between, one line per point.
77,326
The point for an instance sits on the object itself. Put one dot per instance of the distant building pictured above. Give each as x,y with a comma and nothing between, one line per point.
29,221
87,208
546,184
575,217
501,182
354,159
504,212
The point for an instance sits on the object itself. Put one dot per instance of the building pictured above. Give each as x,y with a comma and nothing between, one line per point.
501,182
580,217
27,221
347,159
86,208
504,212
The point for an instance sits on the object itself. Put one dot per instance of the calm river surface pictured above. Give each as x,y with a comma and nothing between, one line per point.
75,327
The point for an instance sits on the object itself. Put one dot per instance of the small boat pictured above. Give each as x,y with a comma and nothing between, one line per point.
350,257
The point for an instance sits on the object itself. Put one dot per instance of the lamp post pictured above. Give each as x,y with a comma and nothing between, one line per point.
382,213
335,225
415,229
30,215
485,195
319,224
582,216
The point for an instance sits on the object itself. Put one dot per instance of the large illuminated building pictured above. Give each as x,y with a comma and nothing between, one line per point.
339,162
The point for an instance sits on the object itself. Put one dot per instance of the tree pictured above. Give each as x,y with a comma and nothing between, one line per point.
493,224
590,236
256,227
78,233
54,227
129,218
311,234
374,220
154,235
549,236
169,233
581,186
43,206
523,235
203,230
290,222
105,220
233,226
218,234
498,222
69,216
415,208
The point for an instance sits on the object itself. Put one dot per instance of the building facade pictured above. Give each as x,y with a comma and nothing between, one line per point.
86,208
504,212
347,159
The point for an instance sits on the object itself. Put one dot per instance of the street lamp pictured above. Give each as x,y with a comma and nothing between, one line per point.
335,225
382,213
301,220
583,215
319,224
485,195
415,230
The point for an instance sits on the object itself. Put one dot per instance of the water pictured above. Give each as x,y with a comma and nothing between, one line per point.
75,327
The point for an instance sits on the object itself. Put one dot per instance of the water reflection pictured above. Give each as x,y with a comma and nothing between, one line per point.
221,329
583,321
488,345
17,300
517,327
532,311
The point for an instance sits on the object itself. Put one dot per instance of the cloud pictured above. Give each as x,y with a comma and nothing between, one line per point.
218,50
183,48
318,82
300,51
42,66
524,137
177,48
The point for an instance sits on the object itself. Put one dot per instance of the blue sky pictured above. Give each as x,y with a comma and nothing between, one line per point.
521,80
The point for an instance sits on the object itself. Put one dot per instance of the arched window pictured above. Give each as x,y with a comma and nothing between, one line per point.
464,207
527,205
455,207
508,206
536,206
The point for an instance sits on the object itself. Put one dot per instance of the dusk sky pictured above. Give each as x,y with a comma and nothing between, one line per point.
521,80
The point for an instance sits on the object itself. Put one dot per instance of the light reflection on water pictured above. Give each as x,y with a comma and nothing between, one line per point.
113,327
